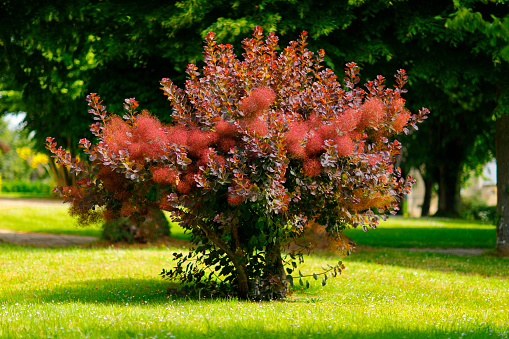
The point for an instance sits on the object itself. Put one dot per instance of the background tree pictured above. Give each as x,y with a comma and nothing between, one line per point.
486,25
55,53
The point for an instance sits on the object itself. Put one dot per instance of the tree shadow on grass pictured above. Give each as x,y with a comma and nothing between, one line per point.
484,265
239,329
106,291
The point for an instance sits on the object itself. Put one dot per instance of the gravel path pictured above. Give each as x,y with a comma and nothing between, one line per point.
43,240
20,202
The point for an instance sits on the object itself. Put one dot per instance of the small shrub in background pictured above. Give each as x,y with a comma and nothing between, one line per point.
260,147
152,227
473,208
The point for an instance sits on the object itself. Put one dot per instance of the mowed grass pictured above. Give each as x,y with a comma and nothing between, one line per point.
25,195
382,293
402,232
54,219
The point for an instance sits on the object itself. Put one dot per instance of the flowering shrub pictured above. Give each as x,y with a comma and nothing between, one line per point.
259,148
32,158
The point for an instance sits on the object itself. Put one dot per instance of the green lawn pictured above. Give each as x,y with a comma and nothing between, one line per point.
26,195
52,219
116,293
382,293
55,220
401,232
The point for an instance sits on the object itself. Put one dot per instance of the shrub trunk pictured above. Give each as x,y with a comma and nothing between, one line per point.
275,282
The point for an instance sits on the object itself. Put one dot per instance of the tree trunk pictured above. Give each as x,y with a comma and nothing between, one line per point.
275,275
428,192
448,190
61,174
502,156
242,279
236,256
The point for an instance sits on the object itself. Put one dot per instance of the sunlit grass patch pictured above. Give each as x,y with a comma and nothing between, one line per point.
74,293
26,195
398,222
427,232
52,219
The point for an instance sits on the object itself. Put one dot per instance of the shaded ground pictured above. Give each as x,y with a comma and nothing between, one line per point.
54,240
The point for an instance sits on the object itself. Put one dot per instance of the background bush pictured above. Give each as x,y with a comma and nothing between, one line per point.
154,225
473,208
